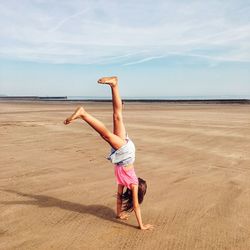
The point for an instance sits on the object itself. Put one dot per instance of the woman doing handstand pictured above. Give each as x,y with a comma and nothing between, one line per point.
122,155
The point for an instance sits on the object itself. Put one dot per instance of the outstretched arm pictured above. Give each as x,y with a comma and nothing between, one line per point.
119,201
137,209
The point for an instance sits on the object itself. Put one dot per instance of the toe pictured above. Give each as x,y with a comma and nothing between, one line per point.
100,80
66,122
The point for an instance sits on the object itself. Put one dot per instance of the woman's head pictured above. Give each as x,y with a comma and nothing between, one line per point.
142,189
127,197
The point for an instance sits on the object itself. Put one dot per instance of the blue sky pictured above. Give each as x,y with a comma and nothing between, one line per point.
157,48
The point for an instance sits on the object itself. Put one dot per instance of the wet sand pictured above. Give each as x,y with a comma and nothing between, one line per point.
57,189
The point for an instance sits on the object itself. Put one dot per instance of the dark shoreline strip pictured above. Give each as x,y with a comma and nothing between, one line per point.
184,101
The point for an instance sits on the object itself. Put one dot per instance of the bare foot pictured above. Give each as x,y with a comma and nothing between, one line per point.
78,112
112,81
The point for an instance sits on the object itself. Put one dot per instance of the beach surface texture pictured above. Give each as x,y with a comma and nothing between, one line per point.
57,189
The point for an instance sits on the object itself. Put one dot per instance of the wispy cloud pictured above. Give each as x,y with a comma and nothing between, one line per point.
147,59
66,19
128,32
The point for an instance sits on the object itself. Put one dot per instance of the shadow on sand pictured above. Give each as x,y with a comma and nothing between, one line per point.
99,211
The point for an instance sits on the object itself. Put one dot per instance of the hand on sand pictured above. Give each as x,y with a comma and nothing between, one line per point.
147,227
123,216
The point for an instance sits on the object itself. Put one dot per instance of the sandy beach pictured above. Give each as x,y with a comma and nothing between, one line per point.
57,190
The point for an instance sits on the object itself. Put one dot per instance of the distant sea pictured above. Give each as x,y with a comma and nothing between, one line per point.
185,99
214,97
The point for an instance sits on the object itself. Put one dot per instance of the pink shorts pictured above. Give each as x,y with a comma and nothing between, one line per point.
125,177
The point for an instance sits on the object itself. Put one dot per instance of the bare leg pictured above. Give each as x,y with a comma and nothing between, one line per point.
118,125
114,140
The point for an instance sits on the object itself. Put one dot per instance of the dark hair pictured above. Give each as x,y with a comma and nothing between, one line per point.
127,197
